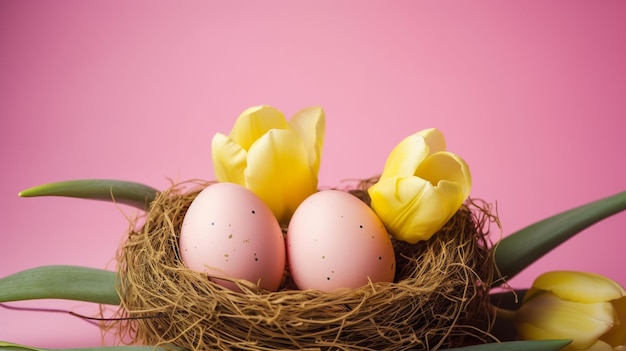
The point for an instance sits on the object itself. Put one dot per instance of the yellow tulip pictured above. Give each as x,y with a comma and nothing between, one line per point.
421,187
588,308
277,159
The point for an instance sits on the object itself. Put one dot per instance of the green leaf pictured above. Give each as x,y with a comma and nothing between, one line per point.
17,347
524,345
120,191
61,282
11,346
519,250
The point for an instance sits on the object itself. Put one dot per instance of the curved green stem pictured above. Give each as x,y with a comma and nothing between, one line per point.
120,191
61,282
519,250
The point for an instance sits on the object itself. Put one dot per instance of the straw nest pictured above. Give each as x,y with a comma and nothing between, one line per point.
439,299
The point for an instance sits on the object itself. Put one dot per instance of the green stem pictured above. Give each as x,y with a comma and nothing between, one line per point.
120,191
519,250
61,282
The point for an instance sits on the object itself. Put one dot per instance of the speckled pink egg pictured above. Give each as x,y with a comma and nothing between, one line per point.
334,241
228,231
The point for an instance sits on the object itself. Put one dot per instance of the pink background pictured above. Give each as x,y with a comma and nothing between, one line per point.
531,94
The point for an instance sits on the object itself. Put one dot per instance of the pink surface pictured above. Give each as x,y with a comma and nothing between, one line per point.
530,93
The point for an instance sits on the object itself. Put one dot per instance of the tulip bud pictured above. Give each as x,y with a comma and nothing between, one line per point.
277,159
421,187
588,308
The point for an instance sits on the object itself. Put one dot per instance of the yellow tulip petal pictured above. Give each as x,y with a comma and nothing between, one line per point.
532,292
579,286
279,173
411,151
391,193
229,159
451,195
446,166
617,336
434,139
411,208
254,122
310,124
385,201
430,209
546,316
405,157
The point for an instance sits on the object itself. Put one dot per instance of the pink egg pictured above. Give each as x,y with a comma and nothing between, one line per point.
334,241
228,231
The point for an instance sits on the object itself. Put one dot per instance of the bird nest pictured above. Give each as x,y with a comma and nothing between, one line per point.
439,298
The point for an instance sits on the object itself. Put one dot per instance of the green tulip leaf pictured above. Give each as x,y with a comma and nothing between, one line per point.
523,345
61,282
520,249
17,347
120,191
11,346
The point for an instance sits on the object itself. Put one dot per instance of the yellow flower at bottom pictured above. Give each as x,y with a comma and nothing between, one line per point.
421,187
588,308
